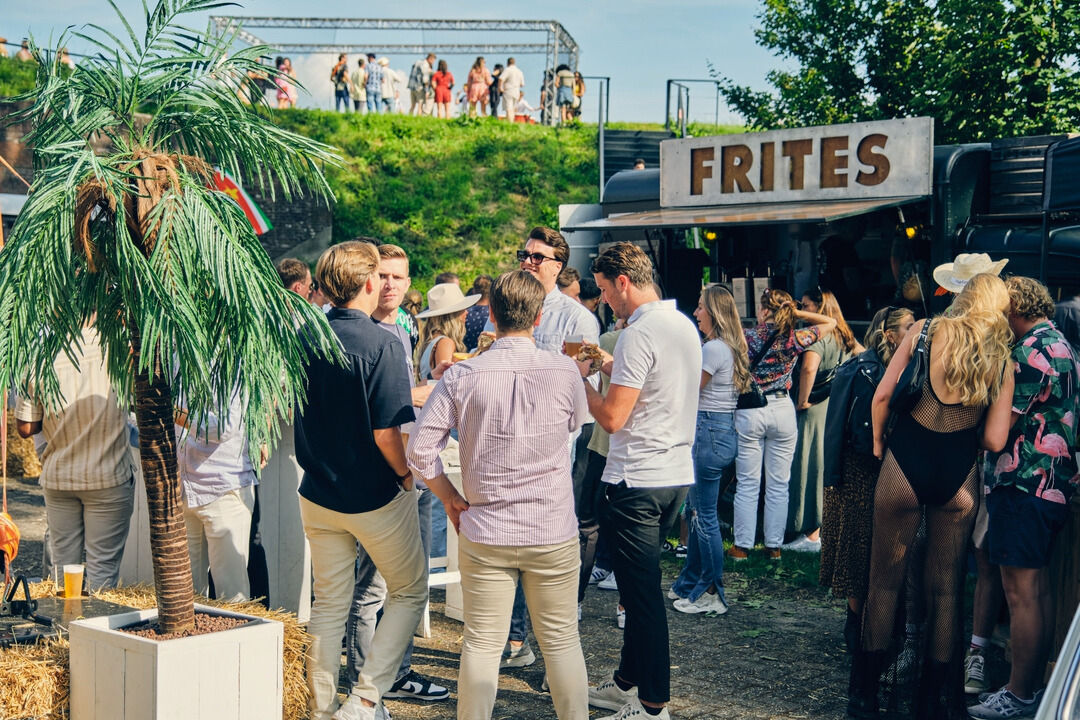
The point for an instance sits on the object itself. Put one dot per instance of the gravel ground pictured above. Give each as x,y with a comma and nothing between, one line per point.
777,653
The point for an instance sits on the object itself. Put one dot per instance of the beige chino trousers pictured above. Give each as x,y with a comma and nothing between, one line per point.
549,578
391,537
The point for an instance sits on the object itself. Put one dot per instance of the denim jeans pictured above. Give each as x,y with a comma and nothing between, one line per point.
373,98
369,594
341,97
767,437
715,448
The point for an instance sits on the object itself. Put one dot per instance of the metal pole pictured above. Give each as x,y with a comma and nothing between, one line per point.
716,120
667,107
686,114
600,152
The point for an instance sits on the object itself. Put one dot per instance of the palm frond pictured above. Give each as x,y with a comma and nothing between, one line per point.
189,273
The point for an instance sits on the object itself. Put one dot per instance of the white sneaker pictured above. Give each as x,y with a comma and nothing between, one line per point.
620,617
513,657
598,574
579,612
803,544
353,709
608,583
633,709
707,603
672,595
609,696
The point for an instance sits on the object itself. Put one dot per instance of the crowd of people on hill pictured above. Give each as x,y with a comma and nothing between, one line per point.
583,440
433,91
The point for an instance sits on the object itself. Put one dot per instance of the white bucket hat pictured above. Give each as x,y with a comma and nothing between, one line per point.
954,276
445,299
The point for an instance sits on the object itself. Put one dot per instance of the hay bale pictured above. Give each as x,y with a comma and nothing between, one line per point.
22,458
34,678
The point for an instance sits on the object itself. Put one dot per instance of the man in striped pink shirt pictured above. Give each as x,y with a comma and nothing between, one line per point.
514,408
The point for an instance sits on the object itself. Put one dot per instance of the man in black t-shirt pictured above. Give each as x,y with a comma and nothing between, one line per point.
357,486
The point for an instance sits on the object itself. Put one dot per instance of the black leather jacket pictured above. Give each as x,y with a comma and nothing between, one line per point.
849,425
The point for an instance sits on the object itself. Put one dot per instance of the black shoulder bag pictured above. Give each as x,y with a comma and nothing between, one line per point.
916,374
754,397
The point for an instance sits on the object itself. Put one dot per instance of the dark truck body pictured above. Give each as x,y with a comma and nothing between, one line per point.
995,198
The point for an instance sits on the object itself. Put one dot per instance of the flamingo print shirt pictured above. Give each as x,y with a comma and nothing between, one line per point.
1040,457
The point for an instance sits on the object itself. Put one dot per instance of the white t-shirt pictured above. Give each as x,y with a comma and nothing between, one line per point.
719,394
512,80
658,353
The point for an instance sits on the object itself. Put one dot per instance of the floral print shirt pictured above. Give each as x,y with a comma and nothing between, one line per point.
773,373
1040,456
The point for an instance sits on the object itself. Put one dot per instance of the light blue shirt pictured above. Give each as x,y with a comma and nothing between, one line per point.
561,317
215,459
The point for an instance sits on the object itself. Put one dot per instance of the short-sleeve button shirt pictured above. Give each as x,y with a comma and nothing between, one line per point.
344,470
1040,455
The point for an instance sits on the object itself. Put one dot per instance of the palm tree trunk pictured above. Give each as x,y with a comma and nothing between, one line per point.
157,452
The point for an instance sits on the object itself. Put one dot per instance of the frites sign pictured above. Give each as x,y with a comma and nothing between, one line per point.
885,159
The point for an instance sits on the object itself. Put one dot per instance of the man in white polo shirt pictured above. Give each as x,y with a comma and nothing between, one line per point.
651,412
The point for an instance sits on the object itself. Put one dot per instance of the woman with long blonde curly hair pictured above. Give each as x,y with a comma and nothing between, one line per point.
929,471
725,372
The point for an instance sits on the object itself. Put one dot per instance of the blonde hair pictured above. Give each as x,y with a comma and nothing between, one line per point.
888,319
344,268
782,307
1029,298
448,325
975,339
830,307
720,305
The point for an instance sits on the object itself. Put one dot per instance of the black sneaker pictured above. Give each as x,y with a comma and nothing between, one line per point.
417,687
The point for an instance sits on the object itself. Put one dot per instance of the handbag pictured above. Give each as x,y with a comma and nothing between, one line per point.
822,386
754,397
909,386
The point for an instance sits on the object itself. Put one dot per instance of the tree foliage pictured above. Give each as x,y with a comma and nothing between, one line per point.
133,240
981,68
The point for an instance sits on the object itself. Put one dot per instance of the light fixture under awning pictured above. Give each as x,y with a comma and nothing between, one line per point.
759,214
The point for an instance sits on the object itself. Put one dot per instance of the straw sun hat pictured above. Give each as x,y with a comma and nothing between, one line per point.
955,275
445,299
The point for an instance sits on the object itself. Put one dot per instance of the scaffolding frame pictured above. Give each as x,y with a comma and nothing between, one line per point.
559,48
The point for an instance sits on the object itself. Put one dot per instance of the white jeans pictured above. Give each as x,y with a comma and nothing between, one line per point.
767,436
217,537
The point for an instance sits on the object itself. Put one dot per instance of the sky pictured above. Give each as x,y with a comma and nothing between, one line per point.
639,44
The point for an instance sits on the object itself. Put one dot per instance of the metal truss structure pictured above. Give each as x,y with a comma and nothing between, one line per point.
559,47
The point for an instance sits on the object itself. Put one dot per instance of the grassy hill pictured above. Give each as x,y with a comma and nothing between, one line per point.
457,195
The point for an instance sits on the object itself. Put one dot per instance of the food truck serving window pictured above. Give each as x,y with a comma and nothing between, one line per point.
860,161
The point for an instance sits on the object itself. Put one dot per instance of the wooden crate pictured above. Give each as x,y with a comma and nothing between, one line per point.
235,674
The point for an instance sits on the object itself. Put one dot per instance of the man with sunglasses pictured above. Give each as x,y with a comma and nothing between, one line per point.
545,255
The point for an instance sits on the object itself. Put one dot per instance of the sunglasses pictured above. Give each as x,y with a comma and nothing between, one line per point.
534,258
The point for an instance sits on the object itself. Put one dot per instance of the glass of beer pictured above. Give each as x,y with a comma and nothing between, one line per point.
573,345
73,581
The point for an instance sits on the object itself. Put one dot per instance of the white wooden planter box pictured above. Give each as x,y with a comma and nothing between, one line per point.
235,674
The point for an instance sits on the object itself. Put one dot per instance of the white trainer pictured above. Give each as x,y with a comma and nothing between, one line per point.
707,603
609,696
634,710
608,583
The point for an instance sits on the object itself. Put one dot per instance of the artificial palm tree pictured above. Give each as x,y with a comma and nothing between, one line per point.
134,241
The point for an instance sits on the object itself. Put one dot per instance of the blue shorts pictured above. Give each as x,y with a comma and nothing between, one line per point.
565,96
1022,527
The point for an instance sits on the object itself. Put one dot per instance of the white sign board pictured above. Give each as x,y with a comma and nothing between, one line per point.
882,159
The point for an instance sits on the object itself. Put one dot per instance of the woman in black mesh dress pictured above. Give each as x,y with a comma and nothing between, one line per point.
929,468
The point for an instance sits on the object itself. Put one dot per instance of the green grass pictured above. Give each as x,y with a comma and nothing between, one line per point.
457,195
799,570
16,77
694,128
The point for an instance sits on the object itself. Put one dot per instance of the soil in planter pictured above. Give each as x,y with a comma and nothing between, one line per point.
204,624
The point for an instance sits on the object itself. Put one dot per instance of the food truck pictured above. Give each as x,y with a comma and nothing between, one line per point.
865,210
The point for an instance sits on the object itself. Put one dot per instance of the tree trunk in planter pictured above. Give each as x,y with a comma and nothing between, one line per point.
157,452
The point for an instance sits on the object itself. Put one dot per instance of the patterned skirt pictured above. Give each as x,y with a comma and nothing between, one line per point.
847,527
